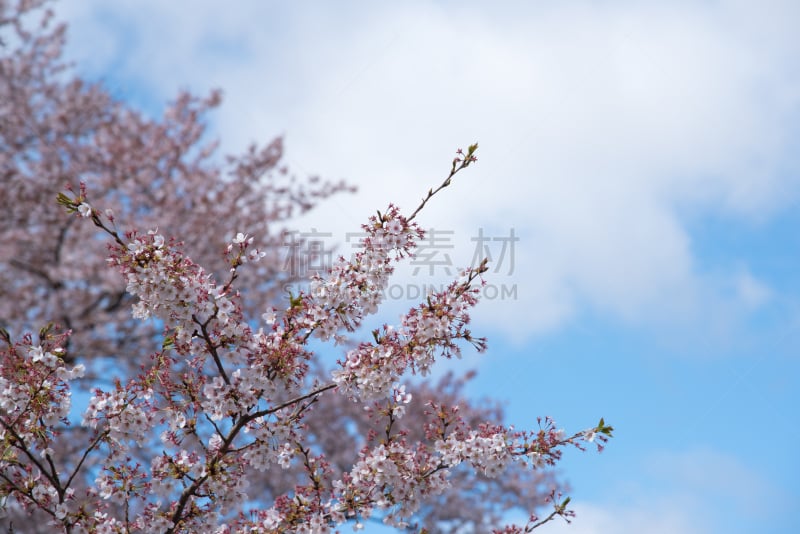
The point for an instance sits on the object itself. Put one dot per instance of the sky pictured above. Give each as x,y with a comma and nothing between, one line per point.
637,188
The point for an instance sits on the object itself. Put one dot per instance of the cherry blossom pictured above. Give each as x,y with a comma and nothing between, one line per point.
217,415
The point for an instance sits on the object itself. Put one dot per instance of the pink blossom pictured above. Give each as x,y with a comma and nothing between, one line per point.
214,421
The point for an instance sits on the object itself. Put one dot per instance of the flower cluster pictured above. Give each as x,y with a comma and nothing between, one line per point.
34,389
371,370
125,416
353,289
172,287
35,400
487,451
393,477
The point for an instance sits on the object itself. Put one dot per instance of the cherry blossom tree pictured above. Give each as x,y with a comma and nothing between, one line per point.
207,410
58,129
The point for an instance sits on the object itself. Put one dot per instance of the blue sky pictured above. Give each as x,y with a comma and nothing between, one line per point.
645,154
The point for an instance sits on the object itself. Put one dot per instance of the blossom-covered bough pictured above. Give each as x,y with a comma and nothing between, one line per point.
173,448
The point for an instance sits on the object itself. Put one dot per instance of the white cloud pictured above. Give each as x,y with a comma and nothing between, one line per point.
751,291
655,518
699,490
601,125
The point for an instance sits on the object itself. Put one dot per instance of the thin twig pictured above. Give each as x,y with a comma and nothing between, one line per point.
459,163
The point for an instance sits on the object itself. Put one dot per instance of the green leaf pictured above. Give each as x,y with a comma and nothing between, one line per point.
604,429
5,335
295,301
45,331
70,204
